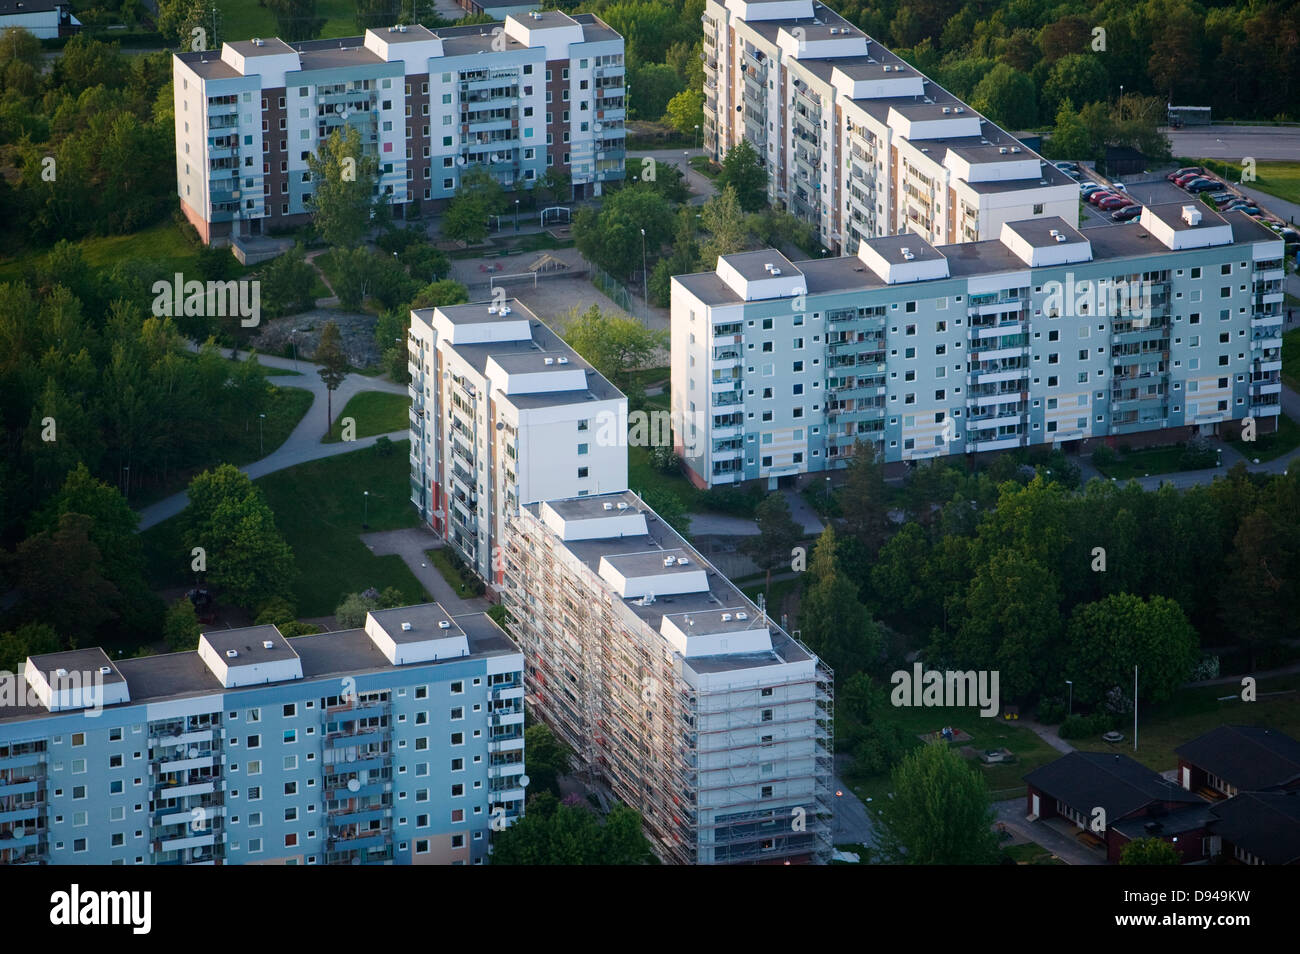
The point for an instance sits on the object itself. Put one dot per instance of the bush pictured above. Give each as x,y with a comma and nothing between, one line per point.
1079,726
734,501
1103,456
383,446
1051,711
351,613
664,459
275,611
1198,454
181,626
499,615
1207,668
289,630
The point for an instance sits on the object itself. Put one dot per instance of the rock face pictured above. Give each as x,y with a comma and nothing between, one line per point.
356,329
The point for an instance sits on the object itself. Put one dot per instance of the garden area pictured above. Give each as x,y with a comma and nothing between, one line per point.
458,576
1127,463
374,412
1270,446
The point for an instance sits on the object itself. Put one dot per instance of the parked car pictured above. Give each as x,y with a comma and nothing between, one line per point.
1097,196
1289,235
1126,214
1090,187
1065,164
1222,197
1186,178
1183,171
1114,202
1120,187
1202,185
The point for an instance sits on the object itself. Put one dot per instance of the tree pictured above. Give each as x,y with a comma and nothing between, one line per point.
1069,138
1007,96
343,184
59,575
743,170
559,833
247,557
439,293
1149,851
377,13
611,236
334,367
478,198
614,344
548,759
1077,76
1107,638
288,282
177,20
777,534
728,229
651,87
863,497
940,813
30,639
351,613
296,19
670,508
685,111
555,185
833,620
181,628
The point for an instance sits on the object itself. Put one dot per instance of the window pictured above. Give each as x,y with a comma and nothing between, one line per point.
582,472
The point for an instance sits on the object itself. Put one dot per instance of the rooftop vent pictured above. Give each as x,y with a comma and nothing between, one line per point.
232,653
1053,232
549,361
726,617
444,624
682,561
1062,238
669,560
1002,150
60,672
609,506
492,309
257,41
562,360
1015,148
267,644
742,615
505,309
104,670
1191,215
959,109
406,627
947,110
622,505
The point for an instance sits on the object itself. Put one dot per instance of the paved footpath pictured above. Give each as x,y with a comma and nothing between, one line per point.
410,544
305,442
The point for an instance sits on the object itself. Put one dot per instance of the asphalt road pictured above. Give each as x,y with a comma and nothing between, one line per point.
1234,143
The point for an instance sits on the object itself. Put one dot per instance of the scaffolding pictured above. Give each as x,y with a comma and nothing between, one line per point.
691,761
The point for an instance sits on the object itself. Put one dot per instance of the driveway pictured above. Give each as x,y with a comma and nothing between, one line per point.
699,184
1234,143
304,443
1012,814
410,545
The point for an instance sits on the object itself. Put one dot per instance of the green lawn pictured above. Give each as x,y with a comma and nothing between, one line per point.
375,412
1004,781
705,166
164,242
1268,447
284,411
1291,359
1195,711
1030,854
645,479
1143,463
1281,179
462,584
318,508
244,19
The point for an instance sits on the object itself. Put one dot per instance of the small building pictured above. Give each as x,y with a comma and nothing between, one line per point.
1077,784
1180,116
1124,161
1260,828
1239,758
44,19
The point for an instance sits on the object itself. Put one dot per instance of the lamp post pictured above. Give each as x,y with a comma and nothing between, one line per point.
516,215
697,135
828,488
261,445
126,480
365,510
645,282
1069,707
294,341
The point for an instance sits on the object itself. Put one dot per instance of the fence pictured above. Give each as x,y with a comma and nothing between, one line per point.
617,292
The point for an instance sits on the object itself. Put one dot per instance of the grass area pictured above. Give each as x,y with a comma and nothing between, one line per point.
1143,463
285,409
465,583
1291,359
705,166
541,242
375,412
1281,179
245,19
1004,781
1195,711
1030,854
1268,447
643,478
318,508
164,242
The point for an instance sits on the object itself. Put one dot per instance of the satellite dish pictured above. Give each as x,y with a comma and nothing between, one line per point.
356,859
523,781
501,425
354,784
194,753
460,160
351,756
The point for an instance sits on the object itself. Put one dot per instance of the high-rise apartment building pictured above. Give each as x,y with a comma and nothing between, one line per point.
676,692
1045,335
504,414
857,142
535,91
398,743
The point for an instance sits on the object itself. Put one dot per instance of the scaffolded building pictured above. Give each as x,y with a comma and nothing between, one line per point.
678,694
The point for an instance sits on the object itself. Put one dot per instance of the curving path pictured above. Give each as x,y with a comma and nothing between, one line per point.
304,443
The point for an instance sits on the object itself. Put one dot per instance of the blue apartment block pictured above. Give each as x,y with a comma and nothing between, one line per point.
398,743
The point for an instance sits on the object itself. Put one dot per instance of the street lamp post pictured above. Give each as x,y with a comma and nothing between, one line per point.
261,445
294,341
126,480
516,215
365,510
1069,708
697,135
828,488
645,282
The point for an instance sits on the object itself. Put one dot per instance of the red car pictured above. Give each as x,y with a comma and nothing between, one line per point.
1114,202
1183,180
1186,170
1097,197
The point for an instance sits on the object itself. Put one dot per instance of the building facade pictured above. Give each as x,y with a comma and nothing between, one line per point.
1046,335
535,91
398,743
857,142
504,414
677,693
43,19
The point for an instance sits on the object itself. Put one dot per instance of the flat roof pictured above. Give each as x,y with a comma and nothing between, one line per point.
250,642
1038,232
652,547
712,622
1171,213
88,661
752,266
271,46
412,33
424,620
890,248
651,562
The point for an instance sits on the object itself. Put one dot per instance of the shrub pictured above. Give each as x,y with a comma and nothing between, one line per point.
1103,456
181,626
1051,711
1207,668
1198,454
1080,726
383,446
274,611
289,630
664,459
351,613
